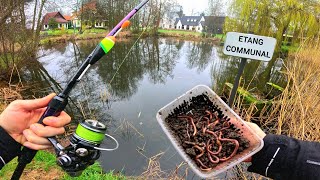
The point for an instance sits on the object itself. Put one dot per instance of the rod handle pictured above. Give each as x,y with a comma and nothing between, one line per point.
55,107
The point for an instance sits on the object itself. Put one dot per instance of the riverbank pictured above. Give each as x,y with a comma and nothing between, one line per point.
59,36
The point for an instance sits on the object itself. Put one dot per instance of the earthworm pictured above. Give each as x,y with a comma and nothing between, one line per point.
204,128
212,133
210,145
193,143
209,113
236,143
213,161
209,169
213,124
225,127
201,150
208,120
192,122
204,166
188,131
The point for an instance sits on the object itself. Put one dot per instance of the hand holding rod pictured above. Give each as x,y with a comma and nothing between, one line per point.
58,103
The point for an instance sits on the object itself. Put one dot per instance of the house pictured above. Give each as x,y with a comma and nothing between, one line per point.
68,18
192,23
57,17
88,15
210,24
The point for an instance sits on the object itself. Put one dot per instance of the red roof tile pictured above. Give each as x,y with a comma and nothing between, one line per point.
68,18
56,15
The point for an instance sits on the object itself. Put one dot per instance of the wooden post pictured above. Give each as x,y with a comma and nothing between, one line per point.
237,81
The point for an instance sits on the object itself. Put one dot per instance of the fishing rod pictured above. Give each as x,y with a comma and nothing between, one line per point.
84,143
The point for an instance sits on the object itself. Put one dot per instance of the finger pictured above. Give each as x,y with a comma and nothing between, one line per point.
35,103
60,121
46,131
36,146
33,138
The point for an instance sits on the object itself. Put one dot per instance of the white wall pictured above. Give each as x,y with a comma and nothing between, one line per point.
179,25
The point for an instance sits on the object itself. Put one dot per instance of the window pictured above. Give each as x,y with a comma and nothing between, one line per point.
199,28
188,20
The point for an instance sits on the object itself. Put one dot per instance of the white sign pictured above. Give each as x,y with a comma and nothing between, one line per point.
249,46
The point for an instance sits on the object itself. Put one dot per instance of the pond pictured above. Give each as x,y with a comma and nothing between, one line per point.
128,86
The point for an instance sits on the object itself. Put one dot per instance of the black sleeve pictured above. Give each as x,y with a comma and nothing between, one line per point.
9,148
283,157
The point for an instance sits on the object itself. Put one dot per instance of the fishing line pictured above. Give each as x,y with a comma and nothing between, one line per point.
127,55
104,149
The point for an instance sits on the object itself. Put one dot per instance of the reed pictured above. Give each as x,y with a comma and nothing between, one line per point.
296,112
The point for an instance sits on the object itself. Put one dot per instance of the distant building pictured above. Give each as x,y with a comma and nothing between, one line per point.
209,24
191,23
88,16
59,19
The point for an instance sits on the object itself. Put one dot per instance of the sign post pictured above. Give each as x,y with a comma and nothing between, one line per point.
247,46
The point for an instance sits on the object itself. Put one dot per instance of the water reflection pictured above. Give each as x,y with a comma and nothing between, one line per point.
130,84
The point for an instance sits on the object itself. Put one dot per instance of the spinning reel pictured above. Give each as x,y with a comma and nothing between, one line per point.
84,149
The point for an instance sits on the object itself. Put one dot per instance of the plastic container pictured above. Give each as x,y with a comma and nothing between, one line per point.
255,142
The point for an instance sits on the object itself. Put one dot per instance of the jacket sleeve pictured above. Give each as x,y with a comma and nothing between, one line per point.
9,148
283,157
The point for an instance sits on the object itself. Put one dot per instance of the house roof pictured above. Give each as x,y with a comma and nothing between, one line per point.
190,20
56,15
176,21
66,17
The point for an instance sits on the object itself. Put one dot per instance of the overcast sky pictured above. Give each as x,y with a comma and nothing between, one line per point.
196,6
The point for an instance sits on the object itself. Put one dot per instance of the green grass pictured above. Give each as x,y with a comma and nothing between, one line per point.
57,32
47,161
292,48
181,32
220,36
71,31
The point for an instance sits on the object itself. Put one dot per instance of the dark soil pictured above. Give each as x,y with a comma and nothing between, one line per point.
215,141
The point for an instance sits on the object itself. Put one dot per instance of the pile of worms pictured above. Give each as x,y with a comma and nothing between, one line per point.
205,133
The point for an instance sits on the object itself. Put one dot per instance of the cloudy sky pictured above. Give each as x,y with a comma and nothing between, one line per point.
196,6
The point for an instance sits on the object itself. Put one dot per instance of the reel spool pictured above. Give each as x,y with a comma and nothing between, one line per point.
91,132
84,149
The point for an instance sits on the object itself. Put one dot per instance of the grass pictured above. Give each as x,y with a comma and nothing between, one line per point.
72,31
44,167
180,32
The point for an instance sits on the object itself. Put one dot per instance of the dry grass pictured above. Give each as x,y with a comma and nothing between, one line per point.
296,112
7,95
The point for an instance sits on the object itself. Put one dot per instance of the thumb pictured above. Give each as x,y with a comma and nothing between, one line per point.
37,103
